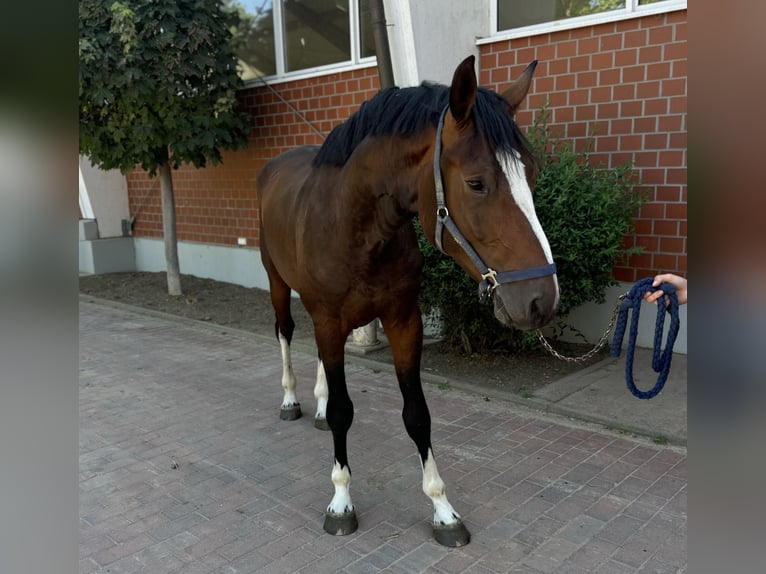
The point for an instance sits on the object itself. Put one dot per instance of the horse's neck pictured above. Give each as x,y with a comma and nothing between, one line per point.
381,193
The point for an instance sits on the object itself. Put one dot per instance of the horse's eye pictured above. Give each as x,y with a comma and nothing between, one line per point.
476,186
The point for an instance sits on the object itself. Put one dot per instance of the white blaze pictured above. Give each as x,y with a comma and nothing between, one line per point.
513,168
514,171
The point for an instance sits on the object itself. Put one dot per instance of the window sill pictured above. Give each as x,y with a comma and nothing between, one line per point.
312,73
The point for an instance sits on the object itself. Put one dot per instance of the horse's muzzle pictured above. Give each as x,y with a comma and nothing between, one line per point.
527,304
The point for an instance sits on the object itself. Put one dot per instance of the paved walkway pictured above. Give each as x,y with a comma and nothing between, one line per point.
185,467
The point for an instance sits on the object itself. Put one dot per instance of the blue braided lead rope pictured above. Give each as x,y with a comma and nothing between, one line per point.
660,359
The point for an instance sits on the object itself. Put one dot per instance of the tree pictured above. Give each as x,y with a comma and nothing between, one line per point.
158,82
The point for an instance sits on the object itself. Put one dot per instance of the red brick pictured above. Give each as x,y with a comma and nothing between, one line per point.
648,90
676,51
675,210
624,91
650,54
676,87
625,58
661,34
607,111
505,59
665,227
656,141
499,75
611,76
611,42
663,261
645,125
634,108
581,65
658,71
566,49
672,244
577,97
672,158
634,74
635,38
584,113
668,193
588,46
648,242
601,94
545,53
587,79
630,142
565,82
656,107
559,66
564,115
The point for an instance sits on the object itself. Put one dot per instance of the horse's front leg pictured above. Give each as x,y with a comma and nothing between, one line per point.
405,335
340,518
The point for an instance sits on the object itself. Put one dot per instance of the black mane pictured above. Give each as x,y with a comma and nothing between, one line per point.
405,111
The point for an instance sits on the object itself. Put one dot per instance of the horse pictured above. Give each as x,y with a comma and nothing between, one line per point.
336,227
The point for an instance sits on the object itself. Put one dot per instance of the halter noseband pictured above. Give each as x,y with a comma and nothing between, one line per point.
491,279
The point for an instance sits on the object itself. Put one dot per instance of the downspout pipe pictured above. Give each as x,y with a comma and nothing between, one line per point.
382,48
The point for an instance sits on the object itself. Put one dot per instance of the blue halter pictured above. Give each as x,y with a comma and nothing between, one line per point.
491,279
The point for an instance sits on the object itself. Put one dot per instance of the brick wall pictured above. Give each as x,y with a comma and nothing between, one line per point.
625,81
218,204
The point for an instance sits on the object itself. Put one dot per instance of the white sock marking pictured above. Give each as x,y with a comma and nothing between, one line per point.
320,391
433,486
288,377
341,501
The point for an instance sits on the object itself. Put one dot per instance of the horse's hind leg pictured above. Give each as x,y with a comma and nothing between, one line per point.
405,335
284,327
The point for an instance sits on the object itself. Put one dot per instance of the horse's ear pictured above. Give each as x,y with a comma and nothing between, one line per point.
463,90
516,93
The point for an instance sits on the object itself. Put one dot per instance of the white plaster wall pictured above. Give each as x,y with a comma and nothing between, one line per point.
108,194
446,35
428,40
239,265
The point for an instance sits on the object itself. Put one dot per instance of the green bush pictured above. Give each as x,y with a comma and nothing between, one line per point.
585,212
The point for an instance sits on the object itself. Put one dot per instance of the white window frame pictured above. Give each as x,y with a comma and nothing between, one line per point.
356,61
632,10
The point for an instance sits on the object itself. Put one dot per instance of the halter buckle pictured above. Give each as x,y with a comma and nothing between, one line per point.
491,278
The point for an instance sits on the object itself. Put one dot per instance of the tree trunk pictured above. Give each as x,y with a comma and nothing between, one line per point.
169,230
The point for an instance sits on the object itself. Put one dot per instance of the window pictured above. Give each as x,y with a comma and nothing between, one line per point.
286,37
535,16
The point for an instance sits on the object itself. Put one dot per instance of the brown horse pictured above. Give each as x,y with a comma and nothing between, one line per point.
336,227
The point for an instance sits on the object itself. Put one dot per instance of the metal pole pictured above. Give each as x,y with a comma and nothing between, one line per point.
382,49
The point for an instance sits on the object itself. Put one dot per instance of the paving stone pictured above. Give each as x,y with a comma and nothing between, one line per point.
186,468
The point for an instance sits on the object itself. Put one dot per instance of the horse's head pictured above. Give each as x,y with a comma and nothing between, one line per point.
487,176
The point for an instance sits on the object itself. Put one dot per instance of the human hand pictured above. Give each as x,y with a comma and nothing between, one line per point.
678,282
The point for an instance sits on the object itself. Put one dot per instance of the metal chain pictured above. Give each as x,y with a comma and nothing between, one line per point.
601,342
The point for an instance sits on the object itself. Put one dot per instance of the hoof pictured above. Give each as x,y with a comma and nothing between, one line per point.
321,423
452,535
340,524
290,413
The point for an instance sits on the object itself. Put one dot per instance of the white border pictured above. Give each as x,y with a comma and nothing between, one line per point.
632,10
